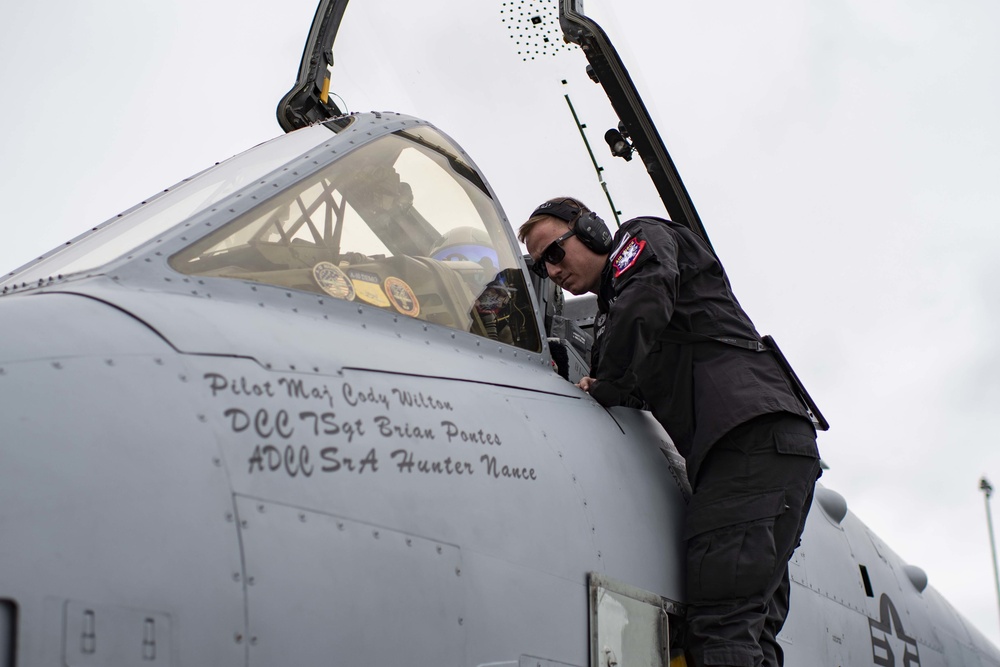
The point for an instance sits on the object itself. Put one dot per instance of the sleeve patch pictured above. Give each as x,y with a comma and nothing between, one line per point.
626,257
625,239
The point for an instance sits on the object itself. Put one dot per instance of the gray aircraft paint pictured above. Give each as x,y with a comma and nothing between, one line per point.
176,486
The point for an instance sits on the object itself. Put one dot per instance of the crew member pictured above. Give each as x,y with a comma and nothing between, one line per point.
670,332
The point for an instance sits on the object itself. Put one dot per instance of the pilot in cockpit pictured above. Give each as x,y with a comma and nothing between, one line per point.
494,313
466,244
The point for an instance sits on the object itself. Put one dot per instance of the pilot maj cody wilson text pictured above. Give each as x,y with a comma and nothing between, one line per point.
291,424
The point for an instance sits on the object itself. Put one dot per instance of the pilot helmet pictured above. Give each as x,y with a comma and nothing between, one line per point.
467,244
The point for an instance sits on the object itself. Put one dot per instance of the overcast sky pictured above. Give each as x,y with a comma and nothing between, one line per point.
844,156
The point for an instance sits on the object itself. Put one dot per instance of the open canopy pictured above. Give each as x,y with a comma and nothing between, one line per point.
501,79
511,82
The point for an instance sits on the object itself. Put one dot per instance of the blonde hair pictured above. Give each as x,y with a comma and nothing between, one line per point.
525,229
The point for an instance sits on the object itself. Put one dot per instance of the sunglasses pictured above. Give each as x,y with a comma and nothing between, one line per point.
553,254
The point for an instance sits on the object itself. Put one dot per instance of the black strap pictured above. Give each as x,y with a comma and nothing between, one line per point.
767,345
684,337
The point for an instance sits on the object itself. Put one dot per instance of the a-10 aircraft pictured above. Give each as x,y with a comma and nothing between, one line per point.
302,409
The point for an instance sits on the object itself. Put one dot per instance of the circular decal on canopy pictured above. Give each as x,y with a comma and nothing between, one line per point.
402,296
367,288
333,281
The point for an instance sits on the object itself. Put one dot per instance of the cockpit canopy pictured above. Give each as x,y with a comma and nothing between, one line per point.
400,223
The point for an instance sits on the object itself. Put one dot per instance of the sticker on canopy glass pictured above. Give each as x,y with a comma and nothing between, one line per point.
367,276
402,297
333,281
367,287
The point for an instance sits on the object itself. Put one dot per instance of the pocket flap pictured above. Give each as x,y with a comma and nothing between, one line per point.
801,444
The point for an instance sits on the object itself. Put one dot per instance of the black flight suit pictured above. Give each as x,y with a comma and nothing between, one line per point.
749,445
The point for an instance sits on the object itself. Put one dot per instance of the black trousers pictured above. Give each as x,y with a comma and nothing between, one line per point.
743,522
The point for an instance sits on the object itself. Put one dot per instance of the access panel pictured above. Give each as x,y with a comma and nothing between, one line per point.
323,589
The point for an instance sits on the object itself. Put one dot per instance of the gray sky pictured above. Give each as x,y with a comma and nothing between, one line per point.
843,155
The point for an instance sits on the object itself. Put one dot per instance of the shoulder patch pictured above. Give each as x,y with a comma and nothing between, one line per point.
627,255
624,239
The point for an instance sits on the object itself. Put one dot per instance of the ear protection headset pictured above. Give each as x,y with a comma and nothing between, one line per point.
587,226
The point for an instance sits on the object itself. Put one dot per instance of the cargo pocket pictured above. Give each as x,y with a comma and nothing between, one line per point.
730,546
799,443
